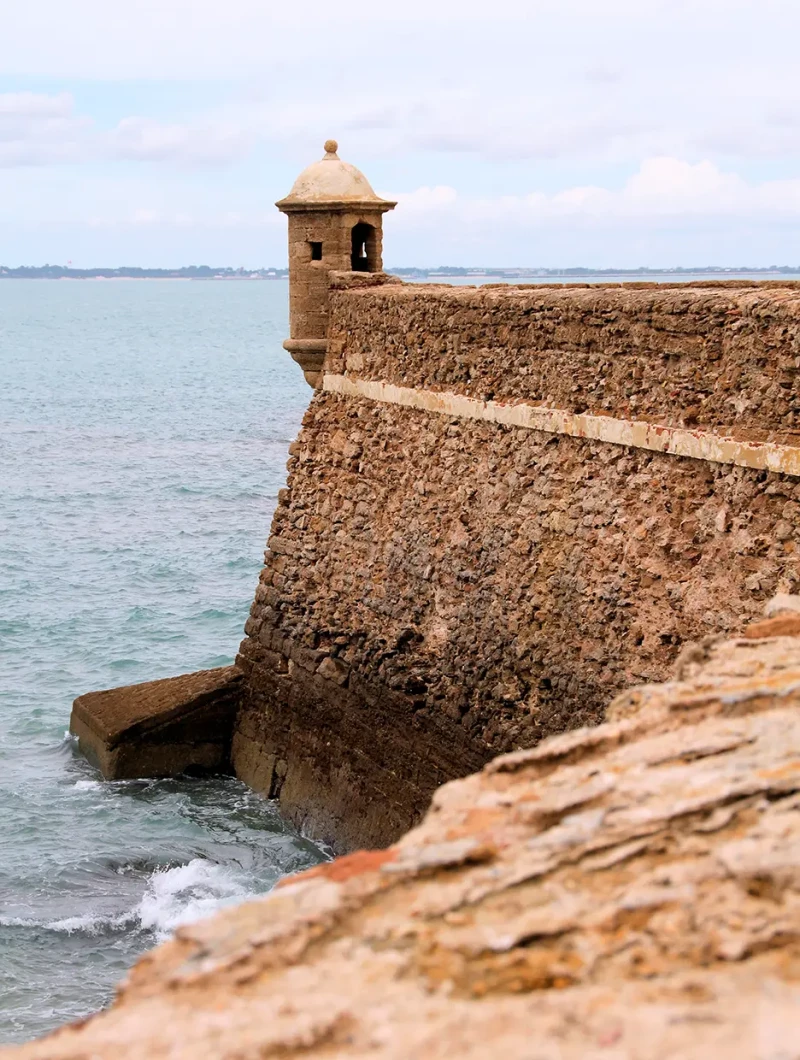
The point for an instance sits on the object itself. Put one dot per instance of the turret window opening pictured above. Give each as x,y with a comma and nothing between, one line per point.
364,247
316,251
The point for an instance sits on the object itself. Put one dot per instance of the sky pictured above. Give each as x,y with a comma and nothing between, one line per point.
538,133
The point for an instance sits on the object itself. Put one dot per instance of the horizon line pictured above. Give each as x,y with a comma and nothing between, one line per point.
453,270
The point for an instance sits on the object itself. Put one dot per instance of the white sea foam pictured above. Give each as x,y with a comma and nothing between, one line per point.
87,785
16,921
188,893
89,925
86,925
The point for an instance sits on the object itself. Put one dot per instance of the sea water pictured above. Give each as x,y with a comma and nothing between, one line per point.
143,437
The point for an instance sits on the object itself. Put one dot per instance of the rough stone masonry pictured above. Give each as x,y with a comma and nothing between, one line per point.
440,589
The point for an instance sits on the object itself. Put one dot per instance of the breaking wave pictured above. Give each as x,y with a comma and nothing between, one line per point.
187,893
172,897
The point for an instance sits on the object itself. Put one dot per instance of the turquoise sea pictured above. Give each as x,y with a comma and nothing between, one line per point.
143,437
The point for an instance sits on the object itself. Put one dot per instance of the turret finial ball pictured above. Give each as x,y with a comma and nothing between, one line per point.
331,147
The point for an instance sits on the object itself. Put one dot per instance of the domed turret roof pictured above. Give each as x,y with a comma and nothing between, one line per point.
331,182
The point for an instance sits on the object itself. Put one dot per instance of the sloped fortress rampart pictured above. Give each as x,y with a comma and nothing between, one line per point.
506,505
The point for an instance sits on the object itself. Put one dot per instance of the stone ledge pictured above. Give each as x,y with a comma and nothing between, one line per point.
160,728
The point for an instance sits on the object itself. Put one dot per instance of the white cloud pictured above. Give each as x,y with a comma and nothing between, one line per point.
169,219
618,119
39,129
143,139
35,105
36,129
473,104
510,81
662,190
145,217
424,201
166,38
670,185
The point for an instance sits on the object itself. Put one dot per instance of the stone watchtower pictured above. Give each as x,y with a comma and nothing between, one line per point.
335,225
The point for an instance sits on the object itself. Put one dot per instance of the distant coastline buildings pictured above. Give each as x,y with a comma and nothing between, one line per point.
187,272
208,272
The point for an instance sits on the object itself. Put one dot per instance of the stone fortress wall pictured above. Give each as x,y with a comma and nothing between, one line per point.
506,505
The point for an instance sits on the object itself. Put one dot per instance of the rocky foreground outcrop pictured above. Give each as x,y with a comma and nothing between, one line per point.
630,890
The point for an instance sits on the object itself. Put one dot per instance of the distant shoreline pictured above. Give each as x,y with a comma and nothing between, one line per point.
145,279
520,275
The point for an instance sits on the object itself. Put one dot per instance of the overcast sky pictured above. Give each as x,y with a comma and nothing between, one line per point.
512,132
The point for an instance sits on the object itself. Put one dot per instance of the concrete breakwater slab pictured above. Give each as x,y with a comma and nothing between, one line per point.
629,890
160,728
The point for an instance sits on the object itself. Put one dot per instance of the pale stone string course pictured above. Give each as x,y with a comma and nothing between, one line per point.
696,444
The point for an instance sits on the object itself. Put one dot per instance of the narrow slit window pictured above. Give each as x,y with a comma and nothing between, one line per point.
363,248
316,251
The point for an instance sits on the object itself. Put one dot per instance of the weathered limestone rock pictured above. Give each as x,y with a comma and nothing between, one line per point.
160,728
782,603
625,891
